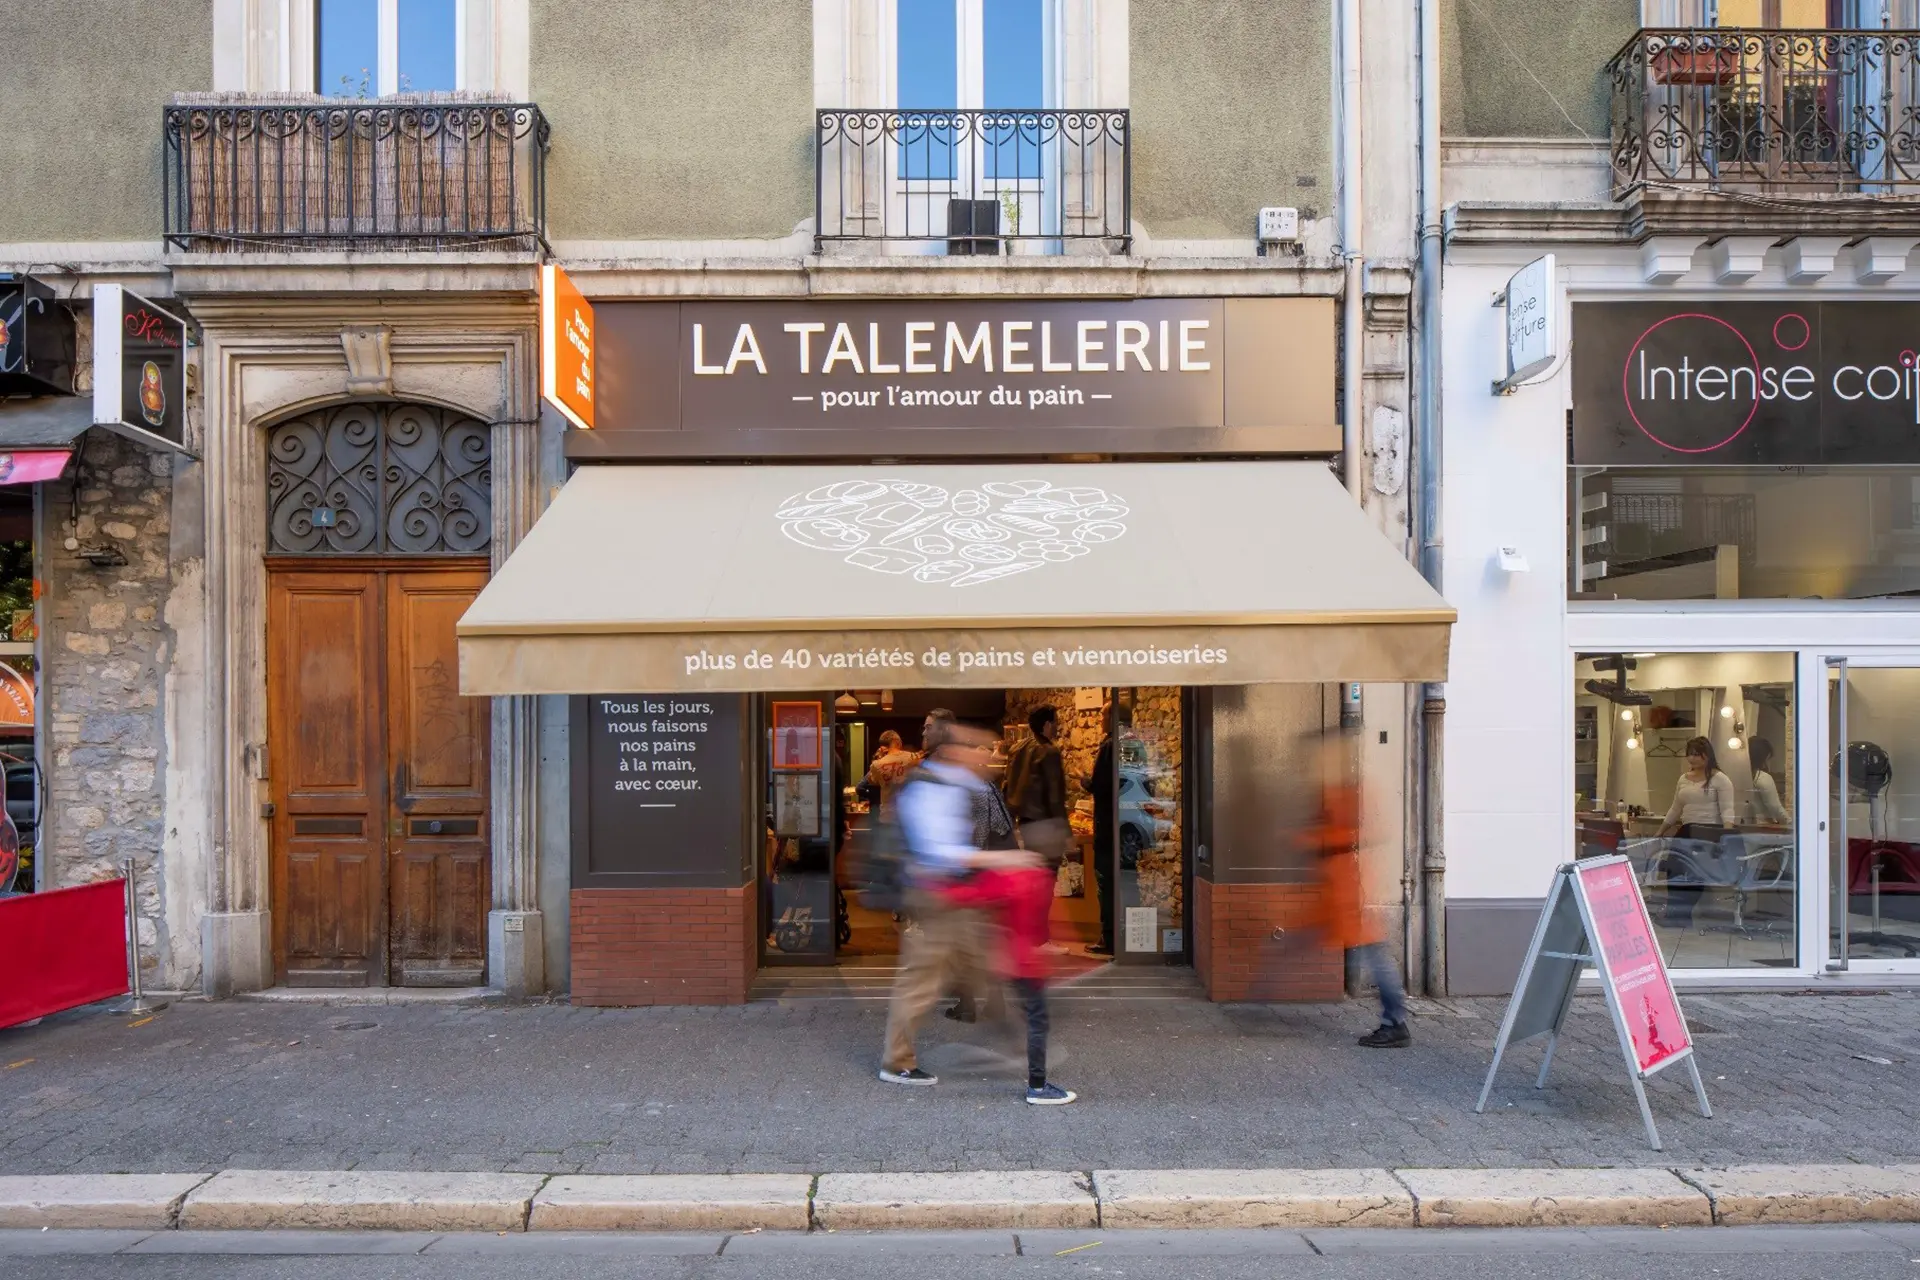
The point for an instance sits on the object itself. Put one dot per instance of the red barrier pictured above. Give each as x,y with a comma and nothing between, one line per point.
61,949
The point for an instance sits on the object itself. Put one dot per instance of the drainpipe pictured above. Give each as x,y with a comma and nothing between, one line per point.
1350,237
1426,454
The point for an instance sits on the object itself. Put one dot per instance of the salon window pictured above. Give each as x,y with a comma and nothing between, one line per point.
1685,764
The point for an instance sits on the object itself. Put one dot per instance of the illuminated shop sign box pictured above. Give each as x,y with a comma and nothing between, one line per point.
1749,383
566,347
139,368
36,339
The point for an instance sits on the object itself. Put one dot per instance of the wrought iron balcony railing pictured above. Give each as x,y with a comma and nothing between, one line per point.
1788,109
361,174
974,181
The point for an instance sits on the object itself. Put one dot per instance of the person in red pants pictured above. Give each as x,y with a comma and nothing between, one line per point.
1021,900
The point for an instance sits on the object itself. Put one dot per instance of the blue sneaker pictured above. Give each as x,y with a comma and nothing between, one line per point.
1050,1095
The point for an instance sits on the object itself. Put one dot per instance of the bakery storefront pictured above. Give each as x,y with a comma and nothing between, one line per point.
793,527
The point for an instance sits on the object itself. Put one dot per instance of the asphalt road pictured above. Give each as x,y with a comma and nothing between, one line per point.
1779,1253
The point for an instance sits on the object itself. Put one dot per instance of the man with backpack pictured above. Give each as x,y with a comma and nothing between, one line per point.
935,809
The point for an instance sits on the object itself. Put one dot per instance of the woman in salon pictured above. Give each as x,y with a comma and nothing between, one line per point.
1767,808
1703,796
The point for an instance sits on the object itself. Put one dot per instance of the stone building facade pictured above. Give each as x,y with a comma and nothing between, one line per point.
660,178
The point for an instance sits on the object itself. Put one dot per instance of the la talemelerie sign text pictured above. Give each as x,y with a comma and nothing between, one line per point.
966,364
910,349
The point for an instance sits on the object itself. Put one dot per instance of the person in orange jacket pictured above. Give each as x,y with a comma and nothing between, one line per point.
1342,916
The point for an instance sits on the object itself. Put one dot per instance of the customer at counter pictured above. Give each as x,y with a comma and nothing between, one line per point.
1704,794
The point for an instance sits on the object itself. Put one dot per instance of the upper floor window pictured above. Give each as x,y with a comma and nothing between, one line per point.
969,55
369,48
1779,15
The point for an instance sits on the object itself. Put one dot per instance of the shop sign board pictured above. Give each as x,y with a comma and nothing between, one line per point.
566,347
657,790
1793,383
1594,916
139,368
16,699
790,376
36,338
1533,323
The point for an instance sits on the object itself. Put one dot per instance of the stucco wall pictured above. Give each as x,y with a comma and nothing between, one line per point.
1232,110
675,120
81,91
1504,62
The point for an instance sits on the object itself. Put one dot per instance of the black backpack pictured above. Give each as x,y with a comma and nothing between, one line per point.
879,870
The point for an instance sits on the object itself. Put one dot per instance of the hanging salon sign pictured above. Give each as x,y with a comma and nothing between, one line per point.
139,368
907,377
1749,383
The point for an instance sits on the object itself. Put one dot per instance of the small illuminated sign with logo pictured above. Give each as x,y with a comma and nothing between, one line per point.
36,339
566,347
139,368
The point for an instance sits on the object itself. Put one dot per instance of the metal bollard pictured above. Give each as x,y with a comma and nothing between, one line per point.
137,1004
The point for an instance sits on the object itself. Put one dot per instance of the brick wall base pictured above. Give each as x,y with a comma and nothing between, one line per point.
1238,957
663,946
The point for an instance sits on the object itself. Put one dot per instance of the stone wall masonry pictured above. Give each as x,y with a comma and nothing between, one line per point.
106,648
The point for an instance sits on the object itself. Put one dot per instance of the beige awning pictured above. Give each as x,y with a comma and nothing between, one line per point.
676,579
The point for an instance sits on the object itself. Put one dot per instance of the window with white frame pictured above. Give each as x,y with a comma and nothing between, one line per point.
372,48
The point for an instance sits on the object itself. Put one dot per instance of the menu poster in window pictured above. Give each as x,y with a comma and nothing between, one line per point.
657,785
796,735
796,805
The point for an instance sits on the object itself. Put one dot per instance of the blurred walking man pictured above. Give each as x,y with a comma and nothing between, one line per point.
947,942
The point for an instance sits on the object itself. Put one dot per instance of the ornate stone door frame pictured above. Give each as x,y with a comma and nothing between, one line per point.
264,358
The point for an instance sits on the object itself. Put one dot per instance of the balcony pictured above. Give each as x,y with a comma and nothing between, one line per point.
974,182
1796,111
363,175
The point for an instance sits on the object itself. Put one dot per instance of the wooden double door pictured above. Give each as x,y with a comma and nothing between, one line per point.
378,774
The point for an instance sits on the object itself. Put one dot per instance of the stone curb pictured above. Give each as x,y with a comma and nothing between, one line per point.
241,1199
1634,1197
674,1202
1810,1193
1252,1198
269,1200
97,1201
954,1201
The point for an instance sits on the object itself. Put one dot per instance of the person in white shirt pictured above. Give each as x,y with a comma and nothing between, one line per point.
948,942
1702,798
1704,794
1766,792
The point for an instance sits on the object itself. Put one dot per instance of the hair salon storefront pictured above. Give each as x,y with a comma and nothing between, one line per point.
1735,498
794,526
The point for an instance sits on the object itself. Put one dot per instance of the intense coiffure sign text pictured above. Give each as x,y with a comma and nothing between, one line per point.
1748,383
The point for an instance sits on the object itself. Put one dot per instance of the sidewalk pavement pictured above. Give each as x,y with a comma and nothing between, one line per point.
789,1088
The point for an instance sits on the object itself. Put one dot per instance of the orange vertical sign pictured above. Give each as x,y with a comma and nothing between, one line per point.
566,347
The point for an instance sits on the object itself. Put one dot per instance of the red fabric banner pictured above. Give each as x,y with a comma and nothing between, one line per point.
1632,962
62,949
